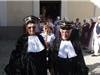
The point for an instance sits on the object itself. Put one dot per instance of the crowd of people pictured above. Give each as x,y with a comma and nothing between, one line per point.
54,46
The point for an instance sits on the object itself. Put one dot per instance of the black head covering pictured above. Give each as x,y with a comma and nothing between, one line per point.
32,19
65,25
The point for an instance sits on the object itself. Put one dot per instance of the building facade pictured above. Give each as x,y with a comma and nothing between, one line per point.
12,12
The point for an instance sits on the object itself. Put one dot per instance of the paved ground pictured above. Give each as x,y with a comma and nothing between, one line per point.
6,46
93,63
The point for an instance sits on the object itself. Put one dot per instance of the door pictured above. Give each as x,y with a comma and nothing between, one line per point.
50,9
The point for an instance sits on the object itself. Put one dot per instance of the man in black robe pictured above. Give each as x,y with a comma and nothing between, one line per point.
67,56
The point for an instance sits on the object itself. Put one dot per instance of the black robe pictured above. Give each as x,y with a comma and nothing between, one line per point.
26,63
73,66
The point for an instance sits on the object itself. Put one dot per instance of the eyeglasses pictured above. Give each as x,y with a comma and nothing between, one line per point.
32,27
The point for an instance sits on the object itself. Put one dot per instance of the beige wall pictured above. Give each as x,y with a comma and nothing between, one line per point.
17,10
80,9
97,11
83,9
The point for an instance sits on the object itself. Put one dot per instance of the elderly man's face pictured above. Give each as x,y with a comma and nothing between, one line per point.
31,28
65,34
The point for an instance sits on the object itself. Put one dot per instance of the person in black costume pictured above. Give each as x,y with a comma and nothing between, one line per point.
29,57
67,55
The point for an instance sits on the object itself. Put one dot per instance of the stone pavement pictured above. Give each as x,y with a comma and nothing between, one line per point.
6,46
93,63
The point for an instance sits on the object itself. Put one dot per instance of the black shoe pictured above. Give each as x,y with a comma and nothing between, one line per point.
94,55
91,52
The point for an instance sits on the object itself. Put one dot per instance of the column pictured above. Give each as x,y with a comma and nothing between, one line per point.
3,13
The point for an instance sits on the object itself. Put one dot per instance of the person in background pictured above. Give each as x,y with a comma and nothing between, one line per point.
49,38
29,57
57,27
77,23
77,26
67,55
85,34
96,35
91,40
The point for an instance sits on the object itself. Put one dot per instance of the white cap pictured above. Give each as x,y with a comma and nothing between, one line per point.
94,19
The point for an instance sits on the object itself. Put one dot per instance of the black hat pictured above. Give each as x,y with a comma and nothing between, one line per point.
31,18
65,25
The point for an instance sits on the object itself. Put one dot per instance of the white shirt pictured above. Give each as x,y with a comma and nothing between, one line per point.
66,50
94,31
50,37
34,44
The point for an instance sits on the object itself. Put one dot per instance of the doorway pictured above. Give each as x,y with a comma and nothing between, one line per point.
50,9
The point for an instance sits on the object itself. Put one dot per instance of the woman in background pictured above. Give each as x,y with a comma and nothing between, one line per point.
49,38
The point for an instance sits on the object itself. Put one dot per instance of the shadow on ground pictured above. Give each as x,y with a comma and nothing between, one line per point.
94,69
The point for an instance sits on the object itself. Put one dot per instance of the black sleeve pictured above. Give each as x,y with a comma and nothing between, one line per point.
42,40
22,43
82,67
19,44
